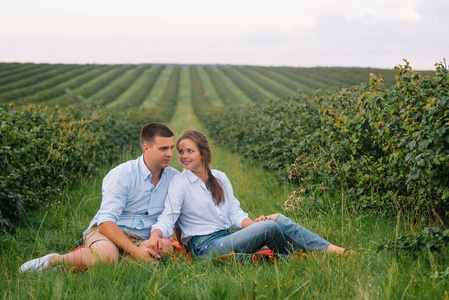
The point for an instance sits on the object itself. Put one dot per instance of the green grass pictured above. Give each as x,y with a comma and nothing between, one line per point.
136,85
275,89
248,86
210,92
103,94
243,98
158,89
365,275
369,274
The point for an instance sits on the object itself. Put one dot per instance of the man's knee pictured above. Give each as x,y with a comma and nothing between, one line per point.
105,251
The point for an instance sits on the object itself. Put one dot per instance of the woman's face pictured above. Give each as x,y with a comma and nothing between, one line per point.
190,156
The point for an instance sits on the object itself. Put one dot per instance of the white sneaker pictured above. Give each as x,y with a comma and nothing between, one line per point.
37,264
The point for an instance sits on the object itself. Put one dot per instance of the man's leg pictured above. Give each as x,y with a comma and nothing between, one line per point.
100,251
97,248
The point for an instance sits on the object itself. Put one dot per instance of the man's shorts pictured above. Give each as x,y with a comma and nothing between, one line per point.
93,235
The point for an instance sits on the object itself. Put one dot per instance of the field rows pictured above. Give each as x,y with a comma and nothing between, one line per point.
351,182
144,86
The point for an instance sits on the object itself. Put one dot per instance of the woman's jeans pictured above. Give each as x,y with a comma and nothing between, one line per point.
273,234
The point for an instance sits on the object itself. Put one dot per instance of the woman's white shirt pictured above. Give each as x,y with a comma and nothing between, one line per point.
189,204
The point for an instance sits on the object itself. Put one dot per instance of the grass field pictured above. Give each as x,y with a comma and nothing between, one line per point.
366,274
114,85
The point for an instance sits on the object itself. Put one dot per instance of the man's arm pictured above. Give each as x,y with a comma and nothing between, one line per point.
116,235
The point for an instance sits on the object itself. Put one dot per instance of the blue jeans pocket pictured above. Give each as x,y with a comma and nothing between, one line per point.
200,244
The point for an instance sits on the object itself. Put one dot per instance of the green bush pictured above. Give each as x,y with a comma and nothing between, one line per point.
392,145
273,132
430,238
42,149
388,148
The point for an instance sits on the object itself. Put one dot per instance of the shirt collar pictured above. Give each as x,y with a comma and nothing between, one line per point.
143,168
190,175
145,171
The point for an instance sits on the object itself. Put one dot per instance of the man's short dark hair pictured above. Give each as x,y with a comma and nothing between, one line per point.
151,130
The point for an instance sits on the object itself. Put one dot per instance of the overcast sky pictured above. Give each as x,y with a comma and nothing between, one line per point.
361,33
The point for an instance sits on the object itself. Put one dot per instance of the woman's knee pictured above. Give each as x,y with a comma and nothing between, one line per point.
271,227
274,216
281,219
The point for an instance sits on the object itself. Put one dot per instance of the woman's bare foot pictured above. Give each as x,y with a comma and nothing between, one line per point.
339,250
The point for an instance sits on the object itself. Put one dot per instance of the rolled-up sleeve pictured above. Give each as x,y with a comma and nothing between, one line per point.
114,191
172,208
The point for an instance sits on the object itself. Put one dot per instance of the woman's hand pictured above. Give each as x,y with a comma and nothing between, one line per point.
154,244
142,252
264,218
248,222
261,218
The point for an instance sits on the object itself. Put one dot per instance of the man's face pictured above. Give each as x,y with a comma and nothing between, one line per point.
158,155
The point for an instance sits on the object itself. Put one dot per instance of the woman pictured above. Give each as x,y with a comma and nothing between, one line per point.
201,203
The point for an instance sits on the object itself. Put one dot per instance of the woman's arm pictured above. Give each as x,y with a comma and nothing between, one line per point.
172,209
236,215
155,243
247,222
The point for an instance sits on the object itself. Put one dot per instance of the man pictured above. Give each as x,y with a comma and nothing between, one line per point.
133,198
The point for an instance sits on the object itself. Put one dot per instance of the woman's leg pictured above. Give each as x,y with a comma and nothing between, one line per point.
251,239
299,236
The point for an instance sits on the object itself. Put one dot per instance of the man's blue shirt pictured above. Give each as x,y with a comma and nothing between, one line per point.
130,199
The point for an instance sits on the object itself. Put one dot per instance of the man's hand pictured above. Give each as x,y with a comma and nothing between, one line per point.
116,235
142,253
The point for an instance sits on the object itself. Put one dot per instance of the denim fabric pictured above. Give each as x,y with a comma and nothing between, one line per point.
190,204
299,236
246,240
200,244
273,234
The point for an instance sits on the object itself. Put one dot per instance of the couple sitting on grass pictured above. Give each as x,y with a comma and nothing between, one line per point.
145,200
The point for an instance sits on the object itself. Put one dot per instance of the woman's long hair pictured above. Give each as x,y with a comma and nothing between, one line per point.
203,145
